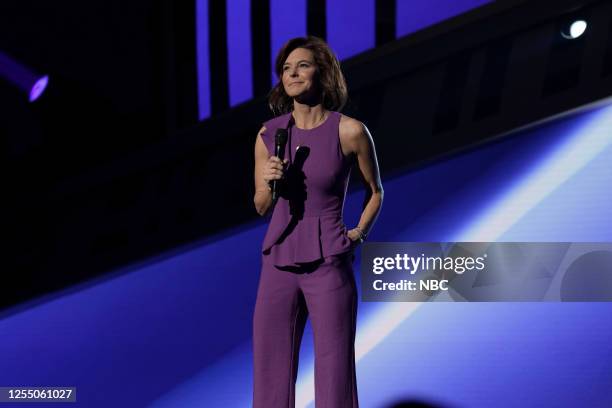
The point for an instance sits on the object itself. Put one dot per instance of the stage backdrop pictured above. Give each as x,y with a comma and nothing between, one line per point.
175,331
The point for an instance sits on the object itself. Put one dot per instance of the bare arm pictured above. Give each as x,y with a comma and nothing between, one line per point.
356,139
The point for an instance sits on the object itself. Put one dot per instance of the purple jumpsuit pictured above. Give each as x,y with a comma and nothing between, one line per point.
307,271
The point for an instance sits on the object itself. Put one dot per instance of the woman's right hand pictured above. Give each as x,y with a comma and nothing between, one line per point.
274,169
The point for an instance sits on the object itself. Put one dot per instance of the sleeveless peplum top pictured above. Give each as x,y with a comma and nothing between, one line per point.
306,223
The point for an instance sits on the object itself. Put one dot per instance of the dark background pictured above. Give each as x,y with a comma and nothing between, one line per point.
111,165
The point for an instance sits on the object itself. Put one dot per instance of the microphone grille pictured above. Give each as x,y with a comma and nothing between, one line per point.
281,136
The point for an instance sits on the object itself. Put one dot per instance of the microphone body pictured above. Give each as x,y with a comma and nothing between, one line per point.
280,141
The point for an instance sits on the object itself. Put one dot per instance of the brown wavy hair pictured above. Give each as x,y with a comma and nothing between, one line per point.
330,78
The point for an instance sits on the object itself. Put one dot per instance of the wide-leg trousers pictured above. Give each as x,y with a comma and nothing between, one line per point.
285,299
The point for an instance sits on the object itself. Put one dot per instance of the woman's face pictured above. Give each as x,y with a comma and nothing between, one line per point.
299,73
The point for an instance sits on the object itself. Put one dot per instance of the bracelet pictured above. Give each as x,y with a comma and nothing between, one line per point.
362,235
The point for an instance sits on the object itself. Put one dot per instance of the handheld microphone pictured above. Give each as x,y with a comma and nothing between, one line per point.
280,141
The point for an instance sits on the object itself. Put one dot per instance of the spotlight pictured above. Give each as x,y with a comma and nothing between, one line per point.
574,29
24,78
38,88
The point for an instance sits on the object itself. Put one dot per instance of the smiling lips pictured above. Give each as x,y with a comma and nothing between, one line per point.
294,83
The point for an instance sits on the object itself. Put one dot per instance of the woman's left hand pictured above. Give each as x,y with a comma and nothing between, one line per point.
354,235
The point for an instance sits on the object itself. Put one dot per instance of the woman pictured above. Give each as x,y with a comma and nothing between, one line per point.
307,251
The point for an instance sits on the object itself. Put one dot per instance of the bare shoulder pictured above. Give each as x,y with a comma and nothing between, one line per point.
353,134
260,145
351,128
259,137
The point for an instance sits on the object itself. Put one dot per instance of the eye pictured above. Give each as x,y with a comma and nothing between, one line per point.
286,67
304,65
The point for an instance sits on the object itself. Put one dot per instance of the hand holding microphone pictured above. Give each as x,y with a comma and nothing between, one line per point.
275,166
274,169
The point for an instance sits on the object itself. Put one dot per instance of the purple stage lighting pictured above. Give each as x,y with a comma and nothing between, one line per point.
21,76
39,88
